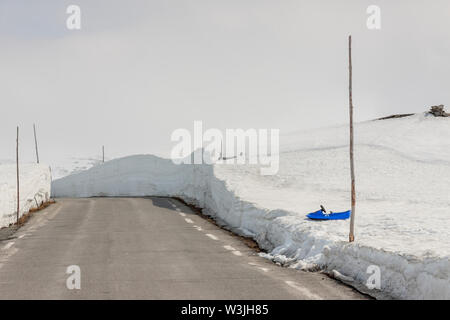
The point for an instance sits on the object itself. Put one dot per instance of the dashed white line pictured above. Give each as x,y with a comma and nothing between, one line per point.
198,228
259,267
21,236
212,236
188,220
233,250
303,290
182,214
8,245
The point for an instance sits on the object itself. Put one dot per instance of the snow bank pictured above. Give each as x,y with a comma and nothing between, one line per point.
64,167
402,224
35,184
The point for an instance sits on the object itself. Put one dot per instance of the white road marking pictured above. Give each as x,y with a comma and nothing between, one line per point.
212,236
259,267
182,214
21,236
233,250
178,209
303,290
188,220
198,228
8,245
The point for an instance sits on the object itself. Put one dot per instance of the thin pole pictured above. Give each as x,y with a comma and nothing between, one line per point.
103,152
17,166
35,143
352,167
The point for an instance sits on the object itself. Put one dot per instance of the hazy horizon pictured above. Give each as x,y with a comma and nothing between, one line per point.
138,70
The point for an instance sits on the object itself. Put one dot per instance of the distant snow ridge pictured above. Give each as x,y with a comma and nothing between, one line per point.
35,185
402,223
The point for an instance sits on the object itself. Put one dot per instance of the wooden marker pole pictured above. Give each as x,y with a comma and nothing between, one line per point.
17,166
352,167
35,143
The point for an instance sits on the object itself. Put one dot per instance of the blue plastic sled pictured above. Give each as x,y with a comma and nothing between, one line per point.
320,215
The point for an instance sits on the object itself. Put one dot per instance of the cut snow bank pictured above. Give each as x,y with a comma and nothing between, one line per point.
35,184
402,218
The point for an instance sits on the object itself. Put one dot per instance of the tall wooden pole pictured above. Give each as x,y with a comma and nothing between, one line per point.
17,167
352,167
103,152
35,143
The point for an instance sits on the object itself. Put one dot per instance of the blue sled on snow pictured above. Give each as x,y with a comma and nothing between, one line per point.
321,215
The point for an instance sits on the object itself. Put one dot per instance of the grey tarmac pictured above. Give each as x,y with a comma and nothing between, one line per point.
144,248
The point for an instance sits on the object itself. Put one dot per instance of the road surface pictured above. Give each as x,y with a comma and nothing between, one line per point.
143,248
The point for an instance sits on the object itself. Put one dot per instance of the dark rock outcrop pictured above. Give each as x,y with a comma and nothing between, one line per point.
438,111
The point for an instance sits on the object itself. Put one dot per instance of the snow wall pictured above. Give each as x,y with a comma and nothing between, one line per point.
35,186
402,276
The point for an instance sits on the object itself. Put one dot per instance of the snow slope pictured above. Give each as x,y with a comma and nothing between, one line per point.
64,167
35,185
403,208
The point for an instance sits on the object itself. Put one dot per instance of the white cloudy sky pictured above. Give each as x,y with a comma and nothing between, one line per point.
137,70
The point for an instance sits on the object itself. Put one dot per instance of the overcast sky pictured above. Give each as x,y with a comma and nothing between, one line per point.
137,70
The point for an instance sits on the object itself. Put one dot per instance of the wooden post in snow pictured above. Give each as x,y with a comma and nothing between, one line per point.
352,167
17,169
35,143
103,152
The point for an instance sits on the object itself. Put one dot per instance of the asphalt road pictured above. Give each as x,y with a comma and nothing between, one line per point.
143,248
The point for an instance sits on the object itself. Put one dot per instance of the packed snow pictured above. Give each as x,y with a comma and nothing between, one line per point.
403,206
64,167
34,187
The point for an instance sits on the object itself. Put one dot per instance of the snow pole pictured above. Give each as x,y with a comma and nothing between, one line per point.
352,167
103,153
35,143
17,170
